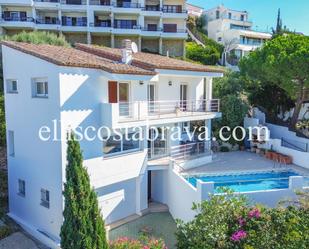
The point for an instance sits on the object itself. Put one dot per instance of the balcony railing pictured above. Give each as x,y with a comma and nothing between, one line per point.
74,2
127,5
127,27
47,1
102,24
173,9
174,31
17,19
100,2
190,150
48,21
152,8
166,109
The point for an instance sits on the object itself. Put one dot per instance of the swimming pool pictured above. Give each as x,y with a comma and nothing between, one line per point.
246,182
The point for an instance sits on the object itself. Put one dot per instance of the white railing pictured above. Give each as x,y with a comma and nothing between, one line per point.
142,110
189,151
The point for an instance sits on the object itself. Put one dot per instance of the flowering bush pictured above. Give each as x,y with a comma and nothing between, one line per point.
145,243
228,222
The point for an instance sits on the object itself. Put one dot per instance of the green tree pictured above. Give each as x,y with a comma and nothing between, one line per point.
233,104
83,226
207,56
283,61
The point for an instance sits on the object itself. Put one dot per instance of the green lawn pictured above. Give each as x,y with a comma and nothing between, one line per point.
158,225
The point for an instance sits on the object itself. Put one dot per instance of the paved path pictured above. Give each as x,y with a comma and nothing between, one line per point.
240,161
17,241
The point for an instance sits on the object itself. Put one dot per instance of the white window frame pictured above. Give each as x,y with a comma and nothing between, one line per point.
21,188
9,86
122,151
11,143
35,83
45,198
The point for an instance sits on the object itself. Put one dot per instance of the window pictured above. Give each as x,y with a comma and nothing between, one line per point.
11,86
116,145
11,145
40,88
45,198
217,14
219,39
230,15
242,17
21,188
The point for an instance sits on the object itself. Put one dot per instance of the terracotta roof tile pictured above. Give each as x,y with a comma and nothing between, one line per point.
147,60
72,57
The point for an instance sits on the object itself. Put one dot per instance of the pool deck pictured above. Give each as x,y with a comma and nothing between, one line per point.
240,161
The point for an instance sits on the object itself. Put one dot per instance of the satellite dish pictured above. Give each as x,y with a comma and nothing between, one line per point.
134,47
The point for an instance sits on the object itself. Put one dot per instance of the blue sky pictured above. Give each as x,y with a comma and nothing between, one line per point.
263,13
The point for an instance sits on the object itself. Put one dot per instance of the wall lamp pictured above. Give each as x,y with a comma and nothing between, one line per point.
170,83
141,82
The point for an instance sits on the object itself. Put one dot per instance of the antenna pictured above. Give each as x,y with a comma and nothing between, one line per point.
134,47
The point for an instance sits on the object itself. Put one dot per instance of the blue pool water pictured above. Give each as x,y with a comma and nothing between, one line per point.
247,181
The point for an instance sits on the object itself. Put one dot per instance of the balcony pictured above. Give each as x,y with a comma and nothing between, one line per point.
173,9
47,1
48,21
74,2
158,112
17,21
100,2
152,8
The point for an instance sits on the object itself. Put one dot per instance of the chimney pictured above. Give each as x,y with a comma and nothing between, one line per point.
126,51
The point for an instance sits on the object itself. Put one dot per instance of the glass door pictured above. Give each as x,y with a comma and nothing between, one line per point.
183,97
123,97
151,98
157,144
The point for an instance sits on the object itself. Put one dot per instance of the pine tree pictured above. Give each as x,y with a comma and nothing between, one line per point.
279,23
83,226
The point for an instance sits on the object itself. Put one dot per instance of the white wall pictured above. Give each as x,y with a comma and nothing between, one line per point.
159,186
35,161
118,200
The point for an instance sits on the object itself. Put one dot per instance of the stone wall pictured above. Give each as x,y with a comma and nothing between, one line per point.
175,47
101,40
76,37
150,45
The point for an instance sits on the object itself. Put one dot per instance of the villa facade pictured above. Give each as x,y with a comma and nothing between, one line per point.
234,30
157,26
90,86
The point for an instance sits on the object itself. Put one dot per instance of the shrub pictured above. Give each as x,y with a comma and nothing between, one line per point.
39,37
5,231
207,56
228,222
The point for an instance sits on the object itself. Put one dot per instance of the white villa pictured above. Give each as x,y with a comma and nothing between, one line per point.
234,30
91,86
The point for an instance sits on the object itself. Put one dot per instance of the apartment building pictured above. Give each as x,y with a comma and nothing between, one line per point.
157,26
234,30
193,10
89,86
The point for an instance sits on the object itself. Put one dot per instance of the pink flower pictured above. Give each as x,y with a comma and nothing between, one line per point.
254,213
239,235
146,247
241,221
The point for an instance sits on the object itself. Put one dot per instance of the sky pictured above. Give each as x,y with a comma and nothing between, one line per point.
263,13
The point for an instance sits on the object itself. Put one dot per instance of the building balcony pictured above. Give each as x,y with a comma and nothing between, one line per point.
100,2
17,22
160,155
158,112
50,24
74,2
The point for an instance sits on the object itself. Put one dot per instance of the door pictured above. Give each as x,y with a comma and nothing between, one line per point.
157,144
112,92
151,98
183,97
149,185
